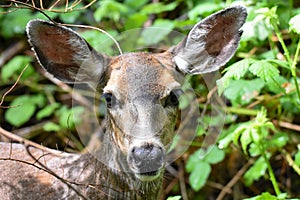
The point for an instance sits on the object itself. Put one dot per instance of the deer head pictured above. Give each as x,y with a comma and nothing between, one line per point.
141,89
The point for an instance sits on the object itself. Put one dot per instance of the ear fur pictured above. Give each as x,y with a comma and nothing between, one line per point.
64,53
211,42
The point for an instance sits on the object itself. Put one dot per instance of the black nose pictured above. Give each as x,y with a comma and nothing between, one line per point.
147,159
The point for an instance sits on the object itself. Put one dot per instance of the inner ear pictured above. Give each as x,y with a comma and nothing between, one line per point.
220,35
211,42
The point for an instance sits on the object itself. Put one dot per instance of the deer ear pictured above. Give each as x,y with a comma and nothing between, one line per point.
64,53
211,42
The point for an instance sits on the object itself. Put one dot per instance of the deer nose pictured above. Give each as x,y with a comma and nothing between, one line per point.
147,159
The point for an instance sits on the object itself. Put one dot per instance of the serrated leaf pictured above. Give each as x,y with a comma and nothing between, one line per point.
199,176
222,84
238,69
264,70
294,24
281,63
234,71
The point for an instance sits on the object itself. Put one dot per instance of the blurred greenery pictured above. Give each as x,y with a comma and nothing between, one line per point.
260,85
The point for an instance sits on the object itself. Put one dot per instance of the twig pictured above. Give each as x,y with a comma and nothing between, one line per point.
291,162
234,180
21,5
100,30
65,87
288,125
182,182
10,52
13,86
28,142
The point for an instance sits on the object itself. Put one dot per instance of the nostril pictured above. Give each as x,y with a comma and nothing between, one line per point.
147,157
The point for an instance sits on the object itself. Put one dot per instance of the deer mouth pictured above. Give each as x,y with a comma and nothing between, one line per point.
149,176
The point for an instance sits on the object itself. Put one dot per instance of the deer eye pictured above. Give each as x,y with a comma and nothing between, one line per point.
110,99
173,98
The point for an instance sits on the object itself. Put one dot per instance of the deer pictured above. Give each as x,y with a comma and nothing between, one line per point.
141,90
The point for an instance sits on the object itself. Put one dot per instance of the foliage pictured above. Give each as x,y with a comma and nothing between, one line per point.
260,84
202,160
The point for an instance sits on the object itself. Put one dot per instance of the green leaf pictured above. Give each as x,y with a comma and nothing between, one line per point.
193,160
275,84
278,141
47,111
70,16
100,41
245,140
239,131
135,4
156,8
204,9
263,196
164,27
13,24
68,118
110,9
215,155
199,175
21,111
238,69
264,70
281,63
174,198
256,171
297,158
135,21
50,126
14,65
294,24
243,91
234,71
38,99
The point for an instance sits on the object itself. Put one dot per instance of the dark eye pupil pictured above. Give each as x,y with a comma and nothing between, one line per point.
109,99
172,100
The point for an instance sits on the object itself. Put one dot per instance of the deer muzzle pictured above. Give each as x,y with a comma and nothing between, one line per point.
147,161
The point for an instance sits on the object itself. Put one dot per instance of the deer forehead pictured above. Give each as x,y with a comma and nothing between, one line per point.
142,74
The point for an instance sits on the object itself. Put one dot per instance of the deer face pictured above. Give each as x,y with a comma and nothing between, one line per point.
141,89
142,99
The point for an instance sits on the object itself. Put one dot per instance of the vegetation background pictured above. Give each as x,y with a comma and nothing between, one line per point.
257,155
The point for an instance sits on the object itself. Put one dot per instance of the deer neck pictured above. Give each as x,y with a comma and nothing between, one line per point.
114,176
